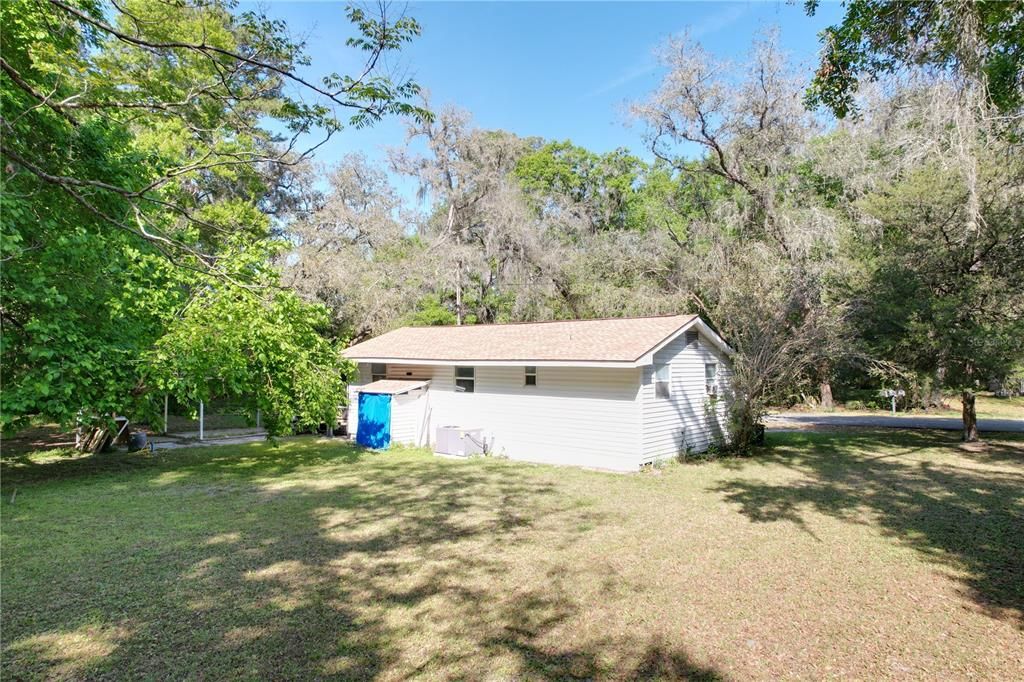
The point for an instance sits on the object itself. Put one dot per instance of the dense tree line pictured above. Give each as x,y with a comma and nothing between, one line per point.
879,250
148,148
164,232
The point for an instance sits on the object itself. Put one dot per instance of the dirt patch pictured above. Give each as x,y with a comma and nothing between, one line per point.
47,437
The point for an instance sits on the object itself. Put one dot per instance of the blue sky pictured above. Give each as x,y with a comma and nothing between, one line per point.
557,70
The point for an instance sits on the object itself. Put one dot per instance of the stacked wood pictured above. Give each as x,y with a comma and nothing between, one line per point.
96,440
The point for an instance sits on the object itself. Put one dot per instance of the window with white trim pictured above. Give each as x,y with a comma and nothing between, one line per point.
711,378
465,379
530,378
378,371
662,380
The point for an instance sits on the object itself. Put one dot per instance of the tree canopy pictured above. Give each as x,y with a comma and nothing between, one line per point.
146,146
166,228
876,38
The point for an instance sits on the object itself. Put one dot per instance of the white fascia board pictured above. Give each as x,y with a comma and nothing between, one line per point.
648,357
626,364
715,338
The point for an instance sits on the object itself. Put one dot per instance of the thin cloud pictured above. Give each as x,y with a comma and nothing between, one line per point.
710,24
717,21
623,78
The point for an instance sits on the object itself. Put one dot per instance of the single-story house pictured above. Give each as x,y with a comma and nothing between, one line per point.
612,393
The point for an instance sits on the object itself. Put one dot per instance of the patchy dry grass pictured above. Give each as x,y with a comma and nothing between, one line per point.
987,405
867,555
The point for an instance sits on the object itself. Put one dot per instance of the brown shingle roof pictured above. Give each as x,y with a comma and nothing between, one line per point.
611,340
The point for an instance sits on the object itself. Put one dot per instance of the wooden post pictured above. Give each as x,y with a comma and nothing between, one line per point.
165,412
257,417
201,417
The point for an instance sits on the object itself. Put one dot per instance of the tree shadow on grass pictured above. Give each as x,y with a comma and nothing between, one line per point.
961,509
235,461
308,561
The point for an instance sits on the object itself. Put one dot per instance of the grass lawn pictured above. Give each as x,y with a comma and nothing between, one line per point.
991,407
866,555
987,405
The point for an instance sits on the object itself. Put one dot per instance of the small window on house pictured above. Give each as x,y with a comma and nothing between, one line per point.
691,338
531,376
711,378
465,379
378,371
662,380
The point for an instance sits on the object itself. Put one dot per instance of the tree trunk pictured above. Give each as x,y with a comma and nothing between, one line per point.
825,389
458,263
970,434
458,292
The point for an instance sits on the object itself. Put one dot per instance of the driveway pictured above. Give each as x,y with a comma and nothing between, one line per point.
789,420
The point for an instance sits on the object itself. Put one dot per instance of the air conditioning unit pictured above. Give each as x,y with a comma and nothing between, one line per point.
459,441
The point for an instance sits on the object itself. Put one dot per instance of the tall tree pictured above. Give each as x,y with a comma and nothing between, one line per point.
139,152
487,240
982,41
939,301
957,70
357,252
938,288
600,188
761,263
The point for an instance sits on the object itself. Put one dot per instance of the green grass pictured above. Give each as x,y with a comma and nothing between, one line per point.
987,405
867,555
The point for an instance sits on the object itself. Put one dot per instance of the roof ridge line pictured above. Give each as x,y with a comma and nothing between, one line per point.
513,324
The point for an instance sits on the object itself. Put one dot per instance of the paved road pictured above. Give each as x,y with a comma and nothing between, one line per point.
780,421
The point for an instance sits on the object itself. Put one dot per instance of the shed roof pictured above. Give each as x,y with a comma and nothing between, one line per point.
392,386
620,341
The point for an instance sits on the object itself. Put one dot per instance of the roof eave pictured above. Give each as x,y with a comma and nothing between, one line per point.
467,362
648,357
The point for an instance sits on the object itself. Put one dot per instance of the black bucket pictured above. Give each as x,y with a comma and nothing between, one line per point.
137,441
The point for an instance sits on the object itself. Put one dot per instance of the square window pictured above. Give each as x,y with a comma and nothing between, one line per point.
711,378
531,376
662,380
465,379
378,371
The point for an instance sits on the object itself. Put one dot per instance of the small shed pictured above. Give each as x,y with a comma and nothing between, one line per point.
611,394
389,410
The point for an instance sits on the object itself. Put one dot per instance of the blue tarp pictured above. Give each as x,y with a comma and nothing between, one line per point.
374,430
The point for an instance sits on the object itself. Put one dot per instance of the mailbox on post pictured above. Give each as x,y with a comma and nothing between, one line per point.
892,394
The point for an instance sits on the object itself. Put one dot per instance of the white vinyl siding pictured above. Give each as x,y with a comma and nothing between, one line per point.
574,415
408,424
595,417
688,419
407,372
407,417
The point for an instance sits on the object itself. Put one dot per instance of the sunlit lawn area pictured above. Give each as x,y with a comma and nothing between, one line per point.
993,407
866,555
987,405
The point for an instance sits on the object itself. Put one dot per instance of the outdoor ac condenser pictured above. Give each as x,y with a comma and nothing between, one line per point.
458,441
